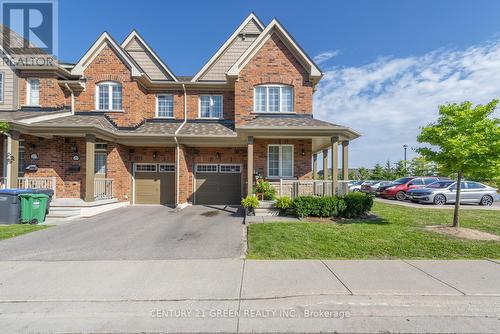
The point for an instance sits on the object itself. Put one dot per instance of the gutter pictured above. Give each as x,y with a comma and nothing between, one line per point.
72,98
177,150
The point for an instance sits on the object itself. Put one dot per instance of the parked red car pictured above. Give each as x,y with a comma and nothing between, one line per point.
400,186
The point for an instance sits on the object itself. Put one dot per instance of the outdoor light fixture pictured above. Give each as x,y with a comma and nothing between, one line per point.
303,152
74,148
155,154
218,154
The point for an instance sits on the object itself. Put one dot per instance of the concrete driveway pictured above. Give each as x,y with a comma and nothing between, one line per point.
136,233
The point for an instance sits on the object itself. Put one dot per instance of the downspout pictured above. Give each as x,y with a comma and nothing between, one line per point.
177,148
72,98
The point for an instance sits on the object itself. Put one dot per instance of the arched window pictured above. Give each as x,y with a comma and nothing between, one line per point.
109,96
273,98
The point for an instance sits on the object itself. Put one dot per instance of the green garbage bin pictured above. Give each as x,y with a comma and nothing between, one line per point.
33,208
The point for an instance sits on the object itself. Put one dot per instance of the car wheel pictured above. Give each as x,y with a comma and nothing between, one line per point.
439,200
486,200
400,195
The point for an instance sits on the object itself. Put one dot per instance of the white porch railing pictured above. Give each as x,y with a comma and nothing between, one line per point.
103,189
294,188
37,183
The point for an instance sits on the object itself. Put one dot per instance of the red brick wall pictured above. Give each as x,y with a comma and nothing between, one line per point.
55,159
51,94
193,103
302,163
273,63
119,169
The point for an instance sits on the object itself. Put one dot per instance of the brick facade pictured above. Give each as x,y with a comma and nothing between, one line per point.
302,153
51,94
272,64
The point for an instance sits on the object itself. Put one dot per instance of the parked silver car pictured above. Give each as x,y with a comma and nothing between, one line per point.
355,185
442,192
371,188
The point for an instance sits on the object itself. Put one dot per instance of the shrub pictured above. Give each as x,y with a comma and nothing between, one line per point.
349,206
356,204
283,202
250,202
267,189
327,206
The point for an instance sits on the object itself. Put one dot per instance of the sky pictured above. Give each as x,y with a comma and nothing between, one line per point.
387,65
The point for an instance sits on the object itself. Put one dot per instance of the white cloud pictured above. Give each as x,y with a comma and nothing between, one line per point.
390,99
325,56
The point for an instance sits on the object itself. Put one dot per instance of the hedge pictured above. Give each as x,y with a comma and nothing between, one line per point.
350,205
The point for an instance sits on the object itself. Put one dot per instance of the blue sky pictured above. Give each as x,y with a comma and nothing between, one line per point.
387,64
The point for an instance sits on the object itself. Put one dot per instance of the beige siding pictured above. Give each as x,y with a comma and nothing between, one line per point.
146,61
9,87
235,49
251,28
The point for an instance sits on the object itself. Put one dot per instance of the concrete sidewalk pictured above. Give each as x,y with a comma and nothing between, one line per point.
249,296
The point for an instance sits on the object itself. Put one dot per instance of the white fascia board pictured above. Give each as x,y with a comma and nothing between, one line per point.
135,34
96,48
313,69
224,46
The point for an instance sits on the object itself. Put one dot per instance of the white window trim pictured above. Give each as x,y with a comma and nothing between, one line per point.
102,150
205,172
28,92
2,85
221,106
281,161
166,171
110,96
230,172
145,171
267,100
157,110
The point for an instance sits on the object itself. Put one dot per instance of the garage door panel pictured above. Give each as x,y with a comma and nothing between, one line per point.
154,188
218,188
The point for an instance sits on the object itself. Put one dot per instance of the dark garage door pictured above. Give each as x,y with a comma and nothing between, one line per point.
154,184
218,184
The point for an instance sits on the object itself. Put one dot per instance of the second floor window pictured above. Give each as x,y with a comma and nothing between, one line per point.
210,106
33,92
273,98
109,96
164,106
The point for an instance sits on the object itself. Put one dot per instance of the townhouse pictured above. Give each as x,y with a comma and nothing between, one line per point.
119,124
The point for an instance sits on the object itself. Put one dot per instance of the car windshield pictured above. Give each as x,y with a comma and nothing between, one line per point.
402,180
440,184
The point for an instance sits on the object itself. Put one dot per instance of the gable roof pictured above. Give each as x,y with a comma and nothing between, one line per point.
146,58
96,48
232,48
276,27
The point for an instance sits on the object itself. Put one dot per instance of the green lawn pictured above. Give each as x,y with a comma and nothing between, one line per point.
10,231
398,233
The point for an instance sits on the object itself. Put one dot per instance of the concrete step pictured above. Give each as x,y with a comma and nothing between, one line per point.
267,212
63,214
267,204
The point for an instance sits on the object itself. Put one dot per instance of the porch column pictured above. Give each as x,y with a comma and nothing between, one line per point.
12,159
325,172
250,166
345,160
315,166
335,164
89,167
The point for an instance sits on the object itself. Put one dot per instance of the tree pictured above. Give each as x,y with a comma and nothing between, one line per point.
420,166
377,172
4,127
465,140
363,173
400,170
388,173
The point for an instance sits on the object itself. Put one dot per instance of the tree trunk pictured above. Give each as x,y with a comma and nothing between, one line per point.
457,200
